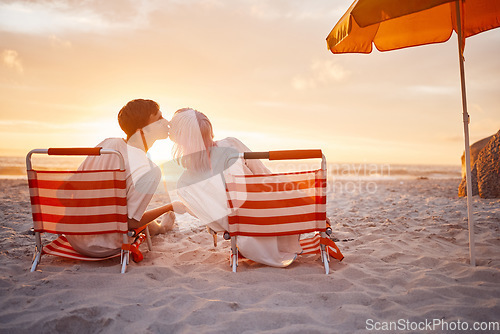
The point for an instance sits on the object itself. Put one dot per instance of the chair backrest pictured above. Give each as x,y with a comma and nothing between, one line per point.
277,204
78,202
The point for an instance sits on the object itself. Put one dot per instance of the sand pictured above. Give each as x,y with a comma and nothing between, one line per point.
406,264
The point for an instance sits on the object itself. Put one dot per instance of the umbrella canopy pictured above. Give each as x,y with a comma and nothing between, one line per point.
393,24
396,24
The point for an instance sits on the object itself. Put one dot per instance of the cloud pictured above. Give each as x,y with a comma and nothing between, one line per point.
300,83
321,72
59,43
27,126
11,59
53,17
291,9
328,70
433,89
484,126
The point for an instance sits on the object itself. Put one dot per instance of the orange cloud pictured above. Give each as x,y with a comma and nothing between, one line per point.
321,72
10,58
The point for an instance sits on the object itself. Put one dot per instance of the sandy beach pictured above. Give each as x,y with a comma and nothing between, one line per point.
406,264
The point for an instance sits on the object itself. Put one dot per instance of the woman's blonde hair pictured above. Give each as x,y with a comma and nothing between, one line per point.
192,134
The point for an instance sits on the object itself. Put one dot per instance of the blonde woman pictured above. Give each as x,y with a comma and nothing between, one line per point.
202,190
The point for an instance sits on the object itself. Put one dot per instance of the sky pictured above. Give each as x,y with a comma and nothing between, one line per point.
259,69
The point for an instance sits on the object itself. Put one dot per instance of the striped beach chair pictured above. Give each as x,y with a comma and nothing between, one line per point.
281,204
79,202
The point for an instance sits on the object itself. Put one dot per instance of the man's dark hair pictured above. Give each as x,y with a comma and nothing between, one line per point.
135,115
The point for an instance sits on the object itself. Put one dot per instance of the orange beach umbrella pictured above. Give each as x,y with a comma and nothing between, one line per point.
396,24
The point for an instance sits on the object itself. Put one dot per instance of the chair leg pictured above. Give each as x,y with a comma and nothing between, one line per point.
235,262
124,260
36,259
234,254
124,255
325,258
38,252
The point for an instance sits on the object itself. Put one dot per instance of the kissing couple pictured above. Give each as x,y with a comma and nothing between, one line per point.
200,187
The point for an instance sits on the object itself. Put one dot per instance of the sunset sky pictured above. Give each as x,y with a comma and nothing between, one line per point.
259,69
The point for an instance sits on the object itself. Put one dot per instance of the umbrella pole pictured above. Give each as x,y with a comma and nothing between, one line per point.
466,137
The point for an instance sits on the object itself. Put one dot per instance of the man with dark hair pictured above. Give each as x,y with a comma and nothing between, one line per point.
136,114
143,123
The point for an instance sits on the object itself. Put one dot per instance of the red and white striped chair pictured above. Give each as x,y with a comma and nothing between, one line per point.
281,204
78,202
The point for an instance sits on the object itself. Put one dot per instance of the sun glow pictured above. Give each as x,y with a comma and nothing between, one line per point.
261,73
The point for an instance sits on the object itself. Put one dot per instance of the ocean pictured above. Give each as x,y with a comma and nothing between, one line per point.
15,168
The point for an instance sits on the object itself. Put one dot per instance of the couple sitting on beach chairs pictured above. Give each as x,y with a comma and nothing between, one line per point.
202,158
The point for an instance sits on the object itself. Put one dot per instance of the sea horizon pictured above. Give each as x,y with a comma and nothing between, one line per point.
14,167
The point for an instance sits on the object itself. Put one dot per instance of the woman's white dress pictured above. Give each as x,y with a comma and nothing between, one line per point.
205,195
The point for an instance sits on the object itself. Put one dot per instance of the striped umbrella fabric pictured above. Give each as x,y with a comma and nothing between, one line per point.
276,204
78,202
